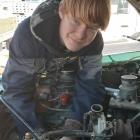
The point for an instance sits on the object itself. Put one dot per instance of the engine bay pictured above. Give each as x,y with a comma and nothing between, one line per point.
120,119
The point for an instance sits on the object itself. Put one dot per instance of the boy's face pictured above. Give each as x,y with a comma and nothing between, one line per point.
74,34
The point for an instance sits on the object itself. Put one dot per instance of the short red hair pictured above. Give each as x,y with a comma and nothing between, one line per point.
90,12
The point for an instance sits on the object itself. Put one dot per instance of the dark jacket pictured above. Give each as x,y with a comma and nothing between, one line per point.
34,45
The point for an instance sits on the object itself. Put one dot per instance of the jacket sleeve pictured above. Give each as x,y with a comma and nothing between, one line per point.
19,76
89,89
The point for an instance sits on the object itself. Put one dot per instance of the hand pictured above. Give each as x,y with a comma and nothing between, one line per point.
68,138
71,124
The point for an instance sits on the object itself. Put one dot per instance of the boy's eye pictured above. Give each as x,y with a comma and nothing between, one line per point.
75,22
93,29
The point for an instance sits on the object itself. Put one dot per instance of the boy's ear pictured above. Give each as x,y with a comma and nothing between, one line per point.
61,10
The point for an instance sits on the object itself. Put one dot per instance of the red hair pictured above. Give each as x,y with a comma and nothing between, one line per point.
90,12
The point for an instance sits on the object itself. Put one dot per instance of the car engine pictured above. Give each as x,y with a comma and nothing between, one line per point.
120,120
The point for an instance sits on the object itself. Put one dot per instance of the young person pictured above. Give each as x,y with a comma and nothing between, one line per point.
57,29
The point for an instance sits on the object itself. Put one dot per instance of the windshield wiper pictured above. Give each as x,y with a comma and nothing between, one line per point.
130,37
